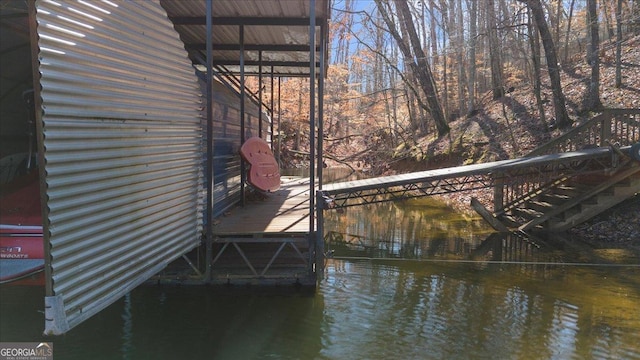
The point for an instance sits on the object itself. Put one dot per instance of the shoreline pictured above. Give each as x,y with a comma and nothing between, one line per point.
617,228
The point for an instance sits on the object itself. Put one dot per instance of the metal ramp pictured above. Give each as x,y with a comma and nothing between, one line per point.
565,182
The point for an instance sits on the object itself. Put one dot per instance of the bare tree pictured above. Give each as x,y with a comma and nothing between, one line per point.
494,52
416,60
459,55
559,102
433,32
607,19
471,83
534,40
592,99
619,44
343,23
566,38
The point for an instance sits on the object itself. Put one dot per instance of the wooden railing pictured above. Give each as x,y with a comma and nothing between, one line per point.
618,127
614,126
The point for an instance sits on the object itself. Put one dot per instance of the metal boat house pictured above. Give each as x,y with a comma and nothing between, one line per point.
141,107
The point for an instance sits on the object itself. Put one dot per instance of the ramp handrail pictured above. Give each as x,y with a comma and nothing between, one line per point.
613,126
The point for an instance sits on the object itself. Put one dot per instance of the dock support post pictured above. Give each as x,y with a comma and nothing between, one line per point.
605,129
209,165
498,192
243,169
272,115
312,113
260,94
319,235
321,109
279,115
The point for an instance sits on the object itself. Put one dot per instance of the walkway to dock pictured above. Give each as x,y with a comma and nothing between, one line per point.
564,182
547,192
453,179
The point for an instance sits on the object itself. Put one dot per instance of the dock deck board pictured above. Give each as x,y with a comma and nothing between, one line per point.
283,211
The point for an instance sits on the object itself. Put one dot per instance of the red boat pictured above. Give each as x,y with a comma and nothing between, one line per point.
21,245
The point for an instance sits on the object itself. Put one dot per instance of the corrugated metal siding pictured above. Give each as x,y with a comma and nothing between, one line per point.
226,143
123,137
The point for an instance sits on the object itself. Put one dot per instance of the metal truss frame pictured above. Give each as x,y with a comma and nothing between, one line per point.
407,191
537,174
255,270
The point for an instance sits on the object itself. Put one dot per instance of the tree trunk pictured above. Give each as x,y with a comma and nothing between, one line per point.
416,60
423,70
494,52
559,102
534,41
460,56
619,44
592,100
471,84
423,27
445,83
434,37
566,38
556,39
607,20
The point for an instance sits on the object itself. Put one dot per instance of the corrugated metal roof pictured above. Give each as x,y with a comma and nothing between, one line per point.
279,28
122,126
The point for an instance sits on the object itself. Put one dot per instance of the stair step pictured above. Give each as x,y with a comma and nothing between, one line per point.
563,216
572,202
570,191
586,212
625,191
526,213
540,206
509,221
625,185
591,201
555,199
632,180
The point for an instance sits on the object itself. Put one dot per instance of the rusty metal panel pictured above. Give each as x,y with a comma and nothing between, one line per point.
122,126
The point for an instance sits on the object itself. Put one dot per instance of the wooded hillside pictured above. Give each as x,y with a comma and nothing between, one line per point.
418,84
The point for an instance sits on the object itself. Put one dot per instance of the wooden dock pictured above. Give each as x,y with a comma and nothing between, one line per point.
268,241
283,211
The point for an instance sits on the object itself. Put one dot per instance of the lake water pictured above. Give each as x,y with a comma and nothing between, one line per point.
409,280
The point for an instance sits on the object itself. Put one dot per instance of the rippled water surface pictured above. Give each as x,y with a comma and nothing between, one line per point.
366,309
406,280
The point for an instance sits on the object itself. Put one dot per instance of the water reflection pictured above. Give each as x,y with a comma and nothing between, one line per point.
409,280
440,310
425,229
414,228
417,280
365,309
